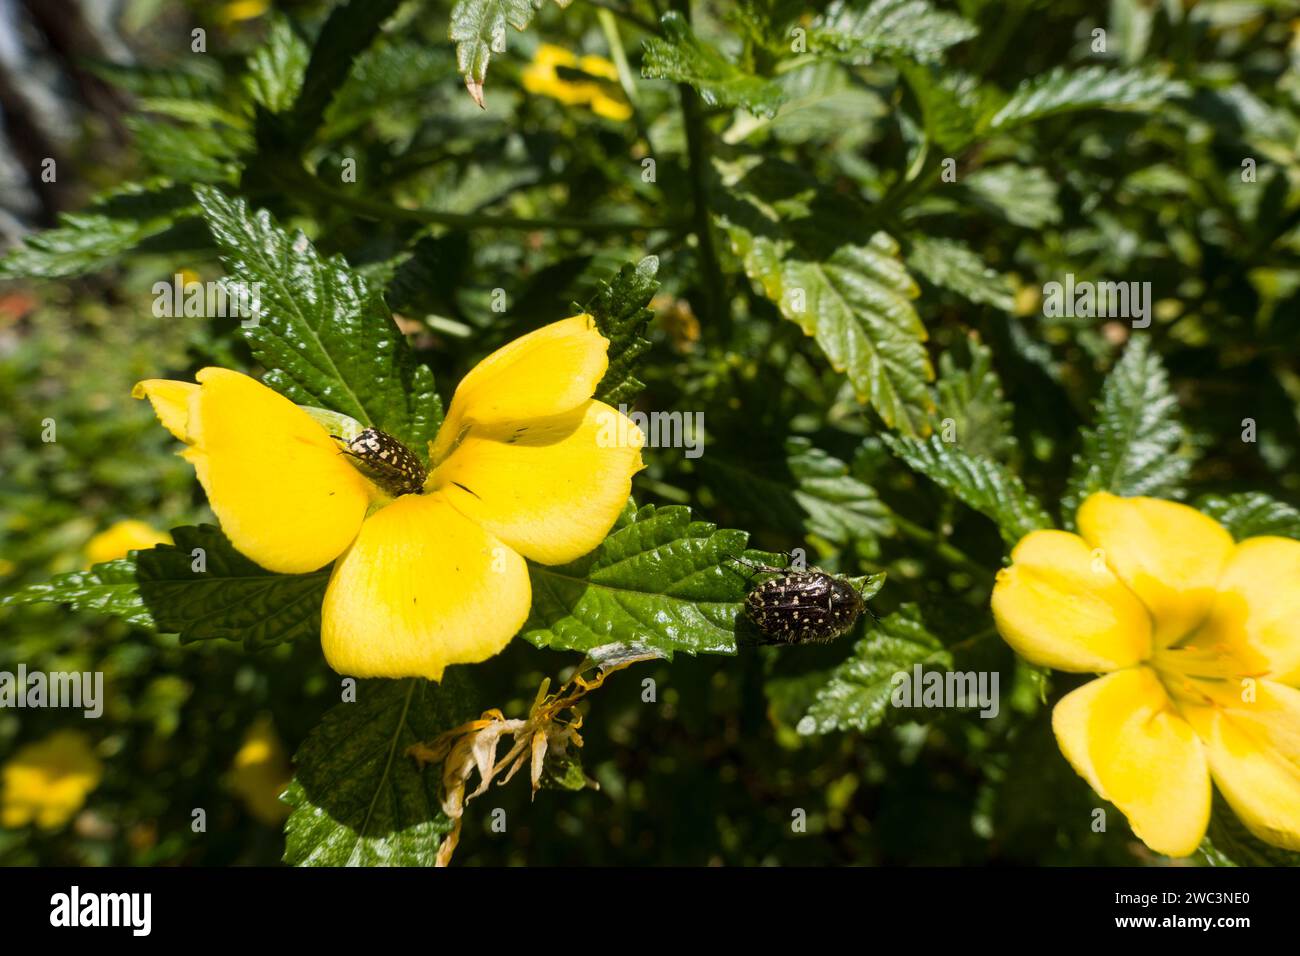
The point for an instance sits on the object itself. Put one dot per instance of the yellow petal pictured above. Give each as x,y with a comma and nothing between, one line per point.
47,782
598,66
550,488
421,587
1257,610
284,494
170,400
1168,554
1254,753
548,54
610,108
546,372
1061,606
260,772
1122,735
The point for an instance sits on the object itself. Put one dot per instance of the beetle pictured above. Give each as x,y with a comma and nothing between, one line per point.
801,606
393,466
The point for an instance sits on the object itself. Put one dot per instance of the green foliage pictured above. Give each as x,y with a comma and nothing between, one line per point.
108,588
350,28
983,484
660,579
854,298
619,309
1134,445
276,71
683,57
358,798
478,28
1252,514
857,695
1024,196
807,491
972,398
1065,90
952,265
912,28
120,221
200,588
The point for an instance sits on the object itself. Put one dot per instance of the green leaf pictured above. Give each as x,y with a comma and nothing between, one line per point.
230,598
858,694
387,77
985,485
912,28
107,588
199,78
277,68
620,310
350,28
1133,446
971,398
187,153
683,57
660,579
1251,514
802,247
113,225
357,798
1022,195
478,28
808,492
325,336
954,266
951,103
1066,90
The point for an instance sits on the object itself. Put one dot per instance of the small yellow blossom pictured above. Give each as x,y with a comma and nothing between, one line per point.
129,535
543,78
260,772
238,10
1199,641
522,468
47,782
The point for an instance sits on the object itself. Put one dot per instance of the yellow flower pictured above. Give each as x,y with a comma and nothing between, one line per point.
523,467
260,772
1199,639
47,782
129,535
239,10
542,77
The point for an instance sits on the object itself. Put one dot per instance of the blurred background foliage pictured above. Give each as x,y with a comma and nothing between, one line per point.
540,195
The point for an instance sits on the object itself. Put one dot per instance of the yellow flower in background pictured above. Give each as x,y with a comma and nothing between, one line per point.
1199,639
47,782
543,77
260,772
430,572
129,535
238,10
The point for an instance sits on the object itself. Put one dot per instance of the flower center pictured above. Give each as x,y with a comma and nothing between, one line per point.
387,462
1201,669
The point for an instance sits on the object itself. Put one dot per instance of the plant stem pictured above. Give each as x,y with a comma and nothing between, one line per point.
640,22
953,555
712,282
309,186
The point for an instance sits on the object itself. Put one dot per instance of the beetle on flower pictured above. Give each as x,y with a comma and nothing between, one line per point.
1199,641
429,575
